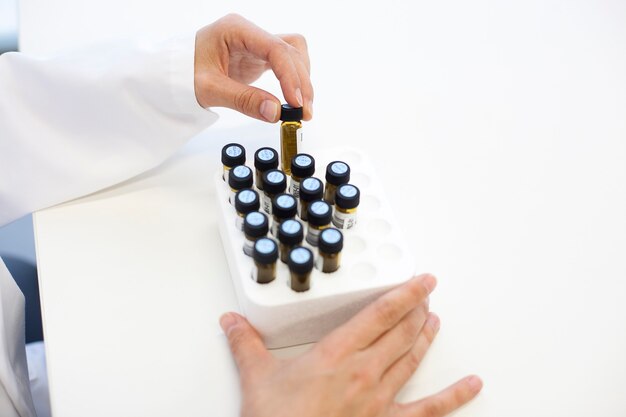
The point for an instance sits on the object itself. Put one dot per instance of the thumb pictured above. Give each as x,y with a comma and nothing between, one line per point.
245,344
248,100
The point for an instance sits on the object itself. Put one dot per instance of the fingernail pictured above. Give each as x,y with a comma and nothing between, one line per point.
268,110
311,107
434,322
430,283
227,321
475,383
299,97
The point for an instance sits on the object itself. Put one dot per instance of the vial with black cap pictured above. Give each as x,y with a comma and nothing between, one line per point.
255,226
311,189
239,177
319,214
330,247
290,134
264,160
264,254
300,263
246,201
337,173
274,183
284,207
290,235
302,166
233,154
347,200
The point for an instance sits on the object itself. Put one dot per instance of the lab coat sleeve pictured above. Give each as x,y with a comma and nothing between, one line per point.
71,126
74,125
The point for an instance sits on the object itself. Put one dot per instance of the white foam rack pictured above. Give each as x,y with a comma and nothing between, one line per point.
375,258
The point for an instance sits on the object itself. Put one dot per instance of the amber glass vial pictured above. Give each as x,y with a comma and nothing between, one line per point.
274,182
347,200
233,154
330,247
239,177
311,189
264,160
337,173
284,207
290,235
255,226
290,134
246,201
302,166
319,214
300,263
265,255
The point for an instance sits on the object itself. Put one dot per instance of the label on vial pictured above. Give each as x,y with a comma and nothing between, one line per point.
299,136
319,262
248,245
267,204
344,220
239,222
294,189
255,273
313,236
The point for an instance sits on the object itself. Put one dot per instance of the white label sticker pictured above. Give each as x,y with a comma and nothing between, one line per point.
299,136
294,189
344,220
267,204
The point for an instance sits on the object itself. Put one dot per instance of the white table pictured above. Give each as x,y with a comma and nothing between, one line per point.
509,118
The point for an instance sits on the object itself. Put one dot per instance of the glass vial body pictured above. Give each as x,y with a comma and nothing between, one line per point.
337,173
302,166
264,160
255,227
319,214
311,189
290,235
274,182
284,207
330,247
265,254
233,154
347,200
246,201
300,262
290,134
239,177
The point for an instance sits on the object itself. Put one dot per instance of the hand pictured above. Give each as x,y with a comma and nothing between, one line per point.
356,370
232,53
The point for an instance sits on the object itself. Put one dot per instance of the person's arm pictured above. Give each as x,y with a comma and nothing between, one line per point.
73,125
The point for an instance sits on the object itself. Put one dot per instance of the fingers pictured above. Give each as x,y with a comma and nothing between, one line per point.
400,372
245,344
246,99
397,341
243,34
300,56
444,402
378,317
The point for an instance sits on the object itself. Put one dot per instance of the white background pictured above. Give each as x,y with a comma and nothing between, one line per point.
501,132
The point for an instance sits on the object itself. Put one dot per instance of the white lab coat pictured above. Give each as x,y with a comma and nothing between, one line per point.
71,126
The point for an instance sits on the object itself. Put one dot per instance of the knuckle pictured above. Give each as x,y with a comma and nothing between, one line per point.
434,407
232,18
408,329
363,377
244,100
386,312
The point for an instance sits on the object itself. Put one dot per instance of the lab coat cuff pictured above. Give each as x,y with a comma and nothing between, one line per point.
181,53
